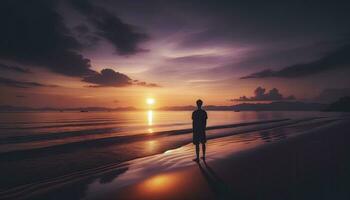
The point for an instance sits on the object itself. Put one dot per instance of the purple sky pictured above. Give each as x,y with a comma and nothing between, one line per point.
117,53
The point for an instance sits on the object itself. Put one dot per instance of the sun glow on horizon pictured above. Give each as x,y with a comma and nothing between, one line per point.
150,101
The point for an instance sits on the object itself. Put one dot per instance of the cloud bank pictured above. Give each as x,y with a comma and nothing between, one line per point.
34,33
339,58
260,94
110,78
124,37
22,84
14,68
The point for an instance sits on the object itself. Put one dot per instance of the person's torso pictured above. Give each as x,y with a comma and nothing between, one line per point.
199,119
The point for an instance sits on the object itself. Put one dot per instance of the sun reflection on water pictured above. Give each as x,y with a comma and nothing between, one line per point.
150,117
152,145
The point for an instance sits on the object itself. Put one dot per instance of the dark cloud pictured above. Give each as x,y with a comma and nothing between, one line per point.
260,94
332,94
263,22
197,59
33,33
81,29
339,58
22,84
111,78
14,68
20,96
85,36
145,84
124,37
108,77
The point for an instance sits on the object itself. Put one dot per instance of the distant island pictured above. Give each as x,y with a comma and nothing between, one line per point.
342,105
273,106
9,108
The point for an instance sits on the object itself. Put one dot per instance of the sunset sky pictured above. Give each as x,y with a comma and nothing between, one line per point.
71,53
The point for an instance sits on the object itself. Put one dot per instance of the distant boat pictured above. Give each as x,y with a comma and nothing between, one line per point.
84,111
236,110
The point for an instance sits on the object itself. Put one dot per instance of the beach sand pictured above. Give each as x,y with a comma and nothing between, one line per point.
305,161
311,166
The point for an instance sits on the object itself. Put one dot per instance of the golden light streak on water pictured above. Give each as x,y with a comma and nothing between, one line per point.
150,117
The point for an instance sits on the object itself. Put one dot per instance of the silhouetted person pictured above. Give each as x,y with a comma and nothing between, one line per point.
199,124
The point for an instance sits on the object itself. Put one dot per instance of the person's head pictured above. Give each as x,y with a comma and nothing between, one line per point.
199,103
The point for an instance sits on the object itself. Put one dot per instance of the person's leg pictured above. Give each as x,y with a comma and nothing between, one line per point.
203,149
197,151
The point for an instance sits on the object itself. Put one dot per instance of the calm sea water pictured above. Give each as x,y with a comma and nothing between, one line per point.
42,129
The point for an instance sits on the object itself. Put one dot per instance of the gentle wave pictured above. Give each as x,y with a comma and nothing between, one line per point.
213,132
62,135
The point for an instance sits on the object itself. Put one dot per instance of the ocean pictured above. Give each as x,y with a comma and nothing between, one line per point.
33,130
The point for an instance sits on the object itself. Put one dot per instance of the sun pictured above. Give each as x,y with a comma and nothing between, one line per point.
150,101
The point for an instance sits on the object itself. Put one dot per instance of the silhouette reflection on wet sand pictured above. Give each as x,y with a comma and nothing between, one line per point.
216,184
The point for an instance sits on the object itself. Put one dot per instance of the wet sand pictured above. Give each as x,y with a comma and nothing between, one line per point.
312,166
305,161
